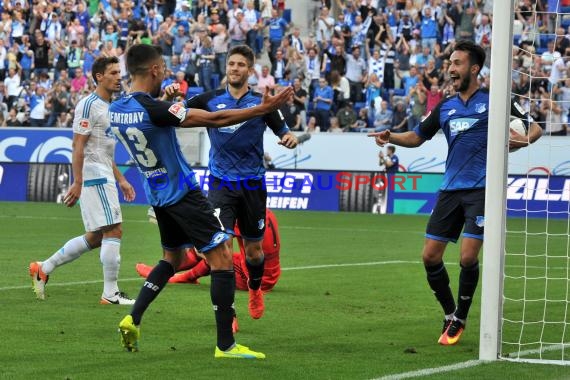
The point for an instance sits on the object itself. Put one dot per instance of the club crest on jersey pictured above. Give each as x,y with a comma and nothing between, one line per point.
84,124
260,224
178,110
480,107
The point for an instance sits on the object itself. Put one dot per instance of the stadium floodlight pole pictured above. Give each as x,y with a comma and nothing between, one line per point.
495,193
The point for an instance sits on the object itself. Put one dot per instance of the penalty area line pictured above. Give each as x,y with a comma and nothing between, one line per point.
432,371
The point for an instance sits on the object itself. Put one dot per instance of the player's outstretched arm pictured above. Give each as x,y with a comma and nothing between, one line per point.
408,139
200,118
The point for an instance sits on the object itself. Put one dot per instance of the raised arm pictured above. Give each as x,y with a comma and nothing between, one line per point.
218,119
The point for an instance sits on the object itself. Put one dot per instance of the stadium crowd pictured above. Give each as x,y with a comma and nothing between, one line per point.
365,65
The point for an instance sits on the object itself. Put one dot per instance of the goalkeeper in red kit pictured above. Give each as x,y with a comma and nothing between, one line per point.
196,267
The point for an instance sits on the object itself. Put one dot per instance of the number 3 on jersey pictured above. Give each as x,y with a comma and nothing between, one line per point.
137,146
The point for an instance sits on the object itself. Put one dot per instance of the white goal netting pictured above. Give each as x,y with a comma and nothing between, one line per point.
535,321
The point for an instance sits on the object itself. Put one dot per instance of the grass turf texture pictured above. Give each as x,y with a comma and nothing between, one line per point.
352,303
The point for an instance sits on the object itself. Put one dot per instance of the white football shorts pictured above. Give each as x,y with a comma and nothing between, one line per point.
100,206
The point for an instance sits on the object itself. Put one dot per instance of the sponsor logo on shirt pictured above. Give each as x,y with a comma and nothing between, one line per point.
460,125
451,112
221,106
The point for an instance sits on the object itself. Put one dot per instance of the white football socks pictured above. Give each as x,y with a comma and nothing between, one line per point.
69,252
111,259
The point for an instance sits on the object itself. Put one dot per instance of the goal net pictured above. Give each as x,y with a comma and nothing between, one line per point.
533,298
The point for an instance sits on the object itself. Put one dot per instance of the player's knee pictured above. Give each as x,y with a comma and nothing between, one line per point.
94,238
220,258
114,231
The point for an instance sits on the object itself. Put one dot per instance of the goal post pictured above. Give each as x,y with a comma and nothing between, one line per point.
496,181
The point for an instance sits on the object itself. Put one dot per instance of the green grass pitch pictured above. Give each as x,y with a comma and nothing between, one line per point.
352,303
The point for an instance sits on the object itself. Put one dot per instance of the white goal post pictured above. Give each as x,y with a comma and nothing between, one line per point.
495,193
525,301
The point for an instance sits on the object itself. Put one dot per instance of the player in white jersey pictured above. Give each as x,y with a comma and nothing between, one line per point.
94,176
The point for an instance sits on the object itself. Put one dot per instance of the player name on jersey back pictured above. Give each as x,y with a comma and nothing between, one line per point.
126,117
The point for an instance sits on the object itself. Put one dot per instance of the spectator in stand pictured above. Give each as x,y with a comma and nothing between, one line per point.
341,90
58,101
238,29
37,107
206,59
79,83
356,73
296,64
89,55
178,40
405,27
253,18
220,44
51,27
13,120
292,114
346,116
323,99
373,89
429,29
313,71
433,96
277,28
334,126
296,41
411,80
401,62
300,100
265,79
417,99
383,117
362,124
399,118
182,84
64,120
325,27
312,126
12,85
278,66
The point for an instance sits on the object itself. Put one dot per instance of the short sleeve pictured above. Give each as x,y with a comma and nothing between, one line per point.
163,114
430,125
82,122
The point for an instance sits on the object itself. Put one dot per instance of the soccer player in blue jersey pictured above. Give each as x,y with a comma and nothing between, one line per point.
463,118
236,183
145,126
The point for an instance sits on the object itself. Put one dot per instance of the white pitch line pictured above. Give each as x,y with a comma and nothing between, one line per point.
432,371
144,220
283,269
468,364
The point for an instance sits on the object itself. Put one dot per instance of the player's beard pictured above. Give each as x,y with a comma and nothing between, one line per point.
239,83
464,84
